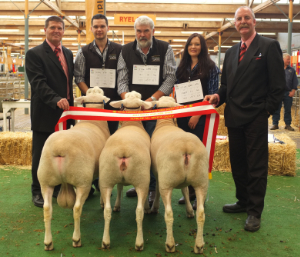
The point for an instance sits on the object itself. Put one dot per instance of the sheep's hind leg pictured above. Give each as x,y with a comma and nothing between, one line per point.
166,195
155,205
107,216
142,197
118,200
200,217
47,193
81,195
188,206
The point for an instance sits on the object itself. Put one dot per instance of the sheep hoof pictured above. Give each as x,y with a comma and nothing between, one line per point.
198,249
139,247
105,246
190,215
77,243
117,208
170,248
49,247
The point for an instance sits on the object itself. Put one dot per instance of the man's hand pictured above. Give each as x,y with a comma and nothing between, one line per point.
212,99
63,104
292,93
193,121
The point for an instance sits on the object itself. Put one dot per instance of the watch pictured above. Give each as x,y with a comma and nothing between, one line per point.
153,98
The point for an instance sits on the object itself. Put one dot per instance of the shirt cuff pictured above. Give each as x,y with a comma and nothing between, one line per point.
214,105
79,79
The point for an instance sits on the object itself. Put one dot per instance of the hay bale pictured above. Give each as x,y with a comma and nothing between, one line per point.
15,148
222,130
220,109
221,156
282,157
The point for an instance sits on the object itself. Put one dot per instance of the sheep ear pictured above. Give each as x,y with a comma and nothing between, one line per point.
116,104
79,99
146,105
177,104
106,99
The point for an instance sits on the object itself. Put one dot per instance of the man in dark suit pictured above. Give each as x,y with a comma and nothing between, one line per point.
252,85
49,68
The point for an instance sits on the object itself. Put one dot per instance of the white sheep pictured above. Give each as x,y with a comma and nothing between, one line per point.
178,159
71,158
125,160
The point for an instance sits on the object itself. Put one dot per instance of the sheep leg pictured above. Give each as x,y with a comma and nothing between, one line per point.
81,195
188,206
47,193
118,200
101,202
155,205
199,243
107,217
142,197
166,195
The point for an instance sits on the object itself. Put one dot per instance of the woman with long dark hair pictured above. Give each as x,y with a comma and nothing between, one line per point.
194,65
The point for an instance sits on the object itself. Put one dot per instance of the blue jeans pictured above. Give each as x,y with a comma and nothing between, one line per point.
287,102
149,126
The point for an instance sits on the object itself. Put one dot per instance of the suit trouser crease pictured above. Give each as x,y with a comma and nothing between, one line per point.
248,147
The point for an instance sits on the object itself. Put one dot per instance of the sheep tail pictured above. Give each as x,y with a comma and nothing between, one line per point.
66,197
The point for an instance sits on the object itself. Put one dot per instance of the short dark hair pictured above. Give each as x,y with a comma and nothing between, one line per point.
54,18
99,16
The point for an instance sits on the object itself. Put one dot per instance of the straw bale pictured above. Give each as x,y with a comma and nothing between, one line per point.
222,130
15,148
221,156
220,109
282,157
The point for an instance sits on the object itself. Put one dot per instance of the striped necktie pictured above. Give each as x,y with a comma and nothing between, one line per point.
56,51
243,50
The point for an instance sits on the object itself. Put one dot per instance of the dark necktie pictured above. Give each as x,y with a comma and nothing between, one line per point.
56,51
243,50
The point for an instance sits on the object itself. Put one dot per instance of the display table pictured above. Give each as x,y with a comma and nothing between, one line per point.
12,105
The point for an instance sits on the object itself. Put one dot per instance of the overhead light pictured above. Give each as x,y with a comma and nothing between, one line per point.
226,46
9,30
69,38
18,44
191,32
3,37
176,45
210,50
76,44
236,41
267,33
157,32
179,40
187,19
35,38
113,31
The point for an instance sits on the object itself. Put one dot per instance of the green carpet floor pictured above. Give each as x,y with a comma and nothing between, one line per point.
22,227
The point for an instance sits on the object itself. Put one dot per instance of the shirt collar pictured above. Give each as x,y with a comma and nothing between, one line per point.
138,48
249,40
53,46
94,43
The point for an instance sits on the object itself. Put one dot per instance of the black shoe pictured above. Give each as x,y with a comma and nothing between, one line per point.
38,200
55,194
131,192
252,223
233,208
151,197
192,196
274,127
288,127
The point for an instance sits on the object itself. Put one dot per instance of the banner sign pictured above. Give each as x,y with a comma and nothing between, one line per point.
203,108
129,19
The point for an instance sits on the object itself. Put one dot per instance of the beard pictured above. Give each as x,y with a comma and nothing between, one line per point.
143,42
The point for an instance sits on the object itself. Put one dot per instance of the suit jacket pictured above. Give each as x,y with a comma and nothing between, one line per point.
255,85
48,85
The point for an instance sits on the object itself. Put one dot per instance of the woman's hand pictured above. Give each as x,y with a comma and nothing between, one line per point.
193,121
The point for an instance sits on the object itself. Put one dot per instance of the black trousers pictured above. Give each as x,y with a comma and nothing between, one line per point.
248,148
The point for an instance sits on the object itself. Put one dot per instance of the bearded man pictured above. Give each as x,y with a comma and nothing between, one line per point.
152,81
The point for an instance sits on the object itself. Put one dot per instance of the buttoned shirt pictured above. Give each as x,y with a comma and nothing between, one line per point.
290,78
63,63
169,69
79,66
